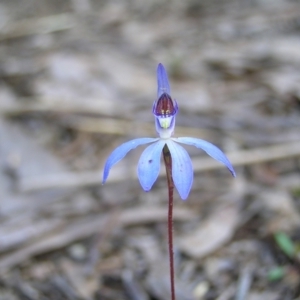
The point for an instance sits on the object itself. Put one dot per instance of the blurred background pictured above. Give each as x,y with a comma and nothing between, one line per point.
78,78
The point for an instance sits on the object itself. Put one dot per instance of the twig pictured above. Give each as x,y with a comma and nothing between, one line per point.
244,284
133,288
38,26
228,293
243,157
103,107
59,105
125,127
87,227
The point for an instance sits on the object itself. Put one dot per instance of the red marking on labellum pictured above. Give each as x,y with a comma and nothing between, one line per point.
164,106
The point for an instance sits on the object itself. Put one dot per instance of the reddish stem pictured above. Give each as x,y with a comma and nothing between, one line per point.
168,164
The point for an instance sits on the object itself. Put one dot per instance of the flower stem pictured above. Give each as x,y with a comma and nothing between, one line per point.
168,164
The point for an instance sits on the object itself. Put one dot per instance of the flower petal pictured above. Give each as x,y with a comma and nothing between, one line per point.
149,164
182,169
209,148
121,151
163,85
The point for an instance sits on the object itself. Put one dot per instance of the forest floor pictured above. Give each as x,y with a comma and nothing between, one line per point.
78,78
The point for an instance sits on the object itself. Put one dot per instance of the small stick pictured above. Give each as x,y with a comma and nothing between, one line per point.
85,227
38,26
238,158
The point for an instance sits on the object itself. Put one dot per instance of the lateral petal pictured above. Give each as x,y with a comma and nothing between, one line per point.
182,169
209,148
121,151
163,85
149,164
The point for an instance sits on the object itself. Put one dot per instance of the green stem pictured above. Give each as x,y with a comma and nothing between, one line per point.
168,164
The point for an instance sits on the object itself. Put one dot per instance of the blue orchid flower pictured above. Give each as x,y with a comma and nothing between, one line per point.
165,110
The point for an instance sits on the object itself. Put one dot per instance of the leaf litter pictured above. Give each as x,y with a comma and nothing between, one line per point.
77,79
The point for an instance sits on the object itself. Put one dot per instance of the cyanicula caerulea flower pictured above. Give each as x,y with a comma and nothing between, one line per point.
164,111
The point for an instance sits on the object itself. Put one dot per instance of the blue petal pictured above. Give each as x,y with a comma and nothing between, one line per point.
209,148
149,164
162,81
182,169
121,151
